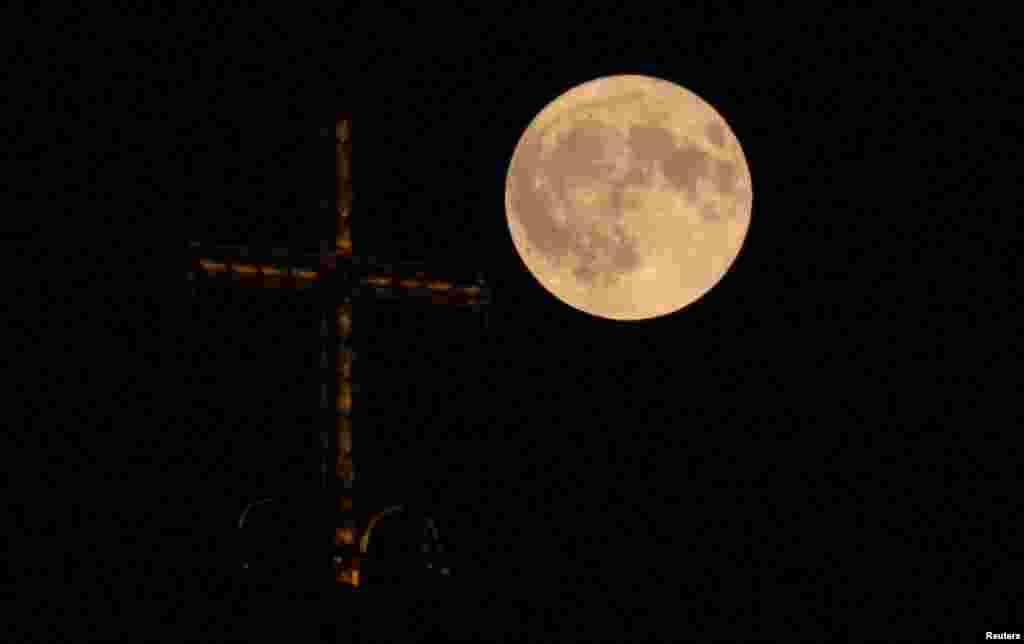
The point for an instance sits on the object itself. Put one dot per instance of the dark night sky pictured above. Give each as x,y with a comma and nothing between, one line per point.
801,447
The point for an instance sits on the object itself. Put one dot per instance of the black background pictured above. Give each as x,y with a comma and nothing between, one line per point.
800,452
817,447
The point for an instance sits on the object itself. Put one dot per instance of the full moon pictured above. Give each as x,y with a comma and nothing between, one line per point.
628,197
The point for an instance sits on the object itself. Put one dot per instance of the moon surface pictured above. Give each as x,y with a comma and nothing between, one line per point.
628,197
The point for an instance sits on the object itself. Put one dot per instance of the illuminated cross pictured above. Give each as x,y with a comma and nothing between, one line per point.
339,280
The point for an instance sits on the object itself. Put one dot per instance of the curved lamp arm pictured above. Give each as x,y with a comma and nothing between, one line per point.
364,542
245,512
430,524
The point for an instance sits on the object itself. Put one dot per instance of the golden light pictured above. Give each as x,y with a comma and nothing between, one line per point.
345,470
212,266
245,269
345,433
344,314
345,396
344,536
345,364
345,503
347,572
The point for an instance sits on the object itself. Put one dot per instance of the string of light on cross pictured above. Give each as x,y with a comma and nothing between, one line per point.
341,279
388,285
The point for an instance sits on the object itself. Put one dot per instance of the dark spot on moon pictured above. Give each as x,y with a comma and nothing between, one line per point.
585,151
725,176
585,274
582,156
635,178
710,213
533,207
650,143
715,133
625,257
687,164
